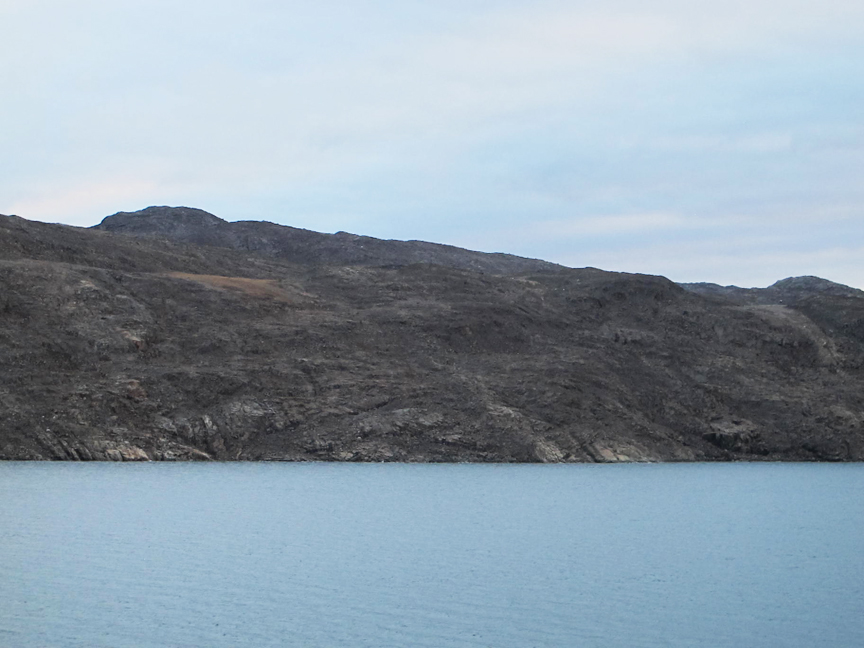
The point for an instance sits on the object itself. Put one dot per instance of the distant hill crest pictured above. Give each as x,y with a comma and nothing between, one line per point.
159,218
198,227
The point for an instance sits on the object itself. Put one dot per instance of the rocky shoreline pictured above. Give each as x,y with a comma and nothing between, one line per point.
169,334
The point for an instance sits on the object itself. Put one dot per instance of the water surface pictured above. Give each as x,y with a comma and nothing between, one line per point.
347,555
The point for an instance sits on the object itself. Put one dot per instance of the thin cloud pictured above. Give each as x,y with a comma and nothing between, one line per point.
617,224
726,143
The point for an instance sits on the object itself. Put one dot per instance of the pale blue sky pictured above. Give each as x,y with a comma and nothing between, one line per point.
705,141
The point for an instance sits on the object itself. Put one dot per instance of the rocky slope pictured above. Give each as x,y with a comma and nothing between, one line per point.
198,227
178,340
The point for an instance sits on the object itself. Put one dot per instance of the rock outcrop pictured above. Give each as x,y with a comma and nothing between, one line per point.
199,227
171,344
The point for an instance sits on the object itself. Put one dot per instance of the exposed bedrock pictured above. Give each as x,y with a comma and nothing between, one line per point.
182,340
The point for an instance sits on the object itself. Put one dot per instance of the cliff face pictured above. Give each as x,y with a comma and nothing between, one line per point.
154,346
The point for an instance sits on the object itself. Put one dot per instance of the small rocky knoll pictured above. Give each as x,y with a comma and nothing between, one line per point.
164,347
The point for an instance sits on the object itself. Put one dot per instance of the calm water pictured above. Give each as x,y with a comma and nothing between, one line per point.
322,555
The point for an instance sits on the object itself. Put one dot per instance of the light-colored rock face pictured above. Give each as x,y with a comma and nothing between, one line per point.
606,452
548,452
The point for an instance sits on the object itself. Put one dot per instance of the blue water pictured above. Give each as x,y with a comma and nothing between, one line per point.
339,555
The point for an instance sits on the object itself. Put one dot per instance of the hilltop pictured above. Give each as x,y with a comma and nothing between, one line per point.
197,227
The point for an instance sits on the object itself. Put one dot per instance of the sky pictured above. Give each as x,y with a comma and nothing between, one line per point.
717,141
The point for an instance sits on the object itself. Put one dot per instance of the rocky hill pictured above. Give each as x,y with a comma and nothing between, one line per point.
171,334
198,227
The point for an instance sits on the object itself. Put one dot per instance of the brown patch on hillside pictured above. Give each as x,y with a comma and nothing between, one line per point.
260,288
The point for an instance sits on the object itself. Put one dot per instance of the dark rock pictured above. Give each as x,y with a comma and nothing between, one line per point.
187,341
304,246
